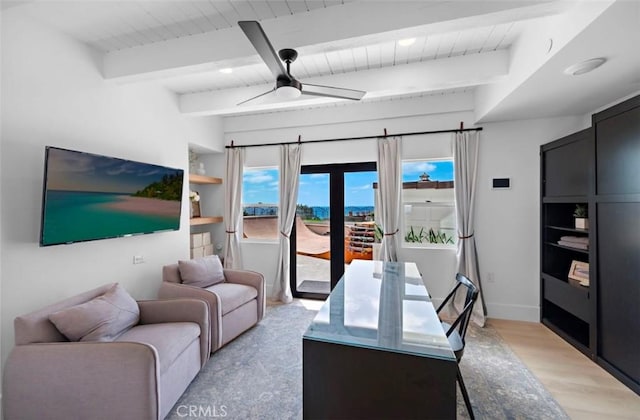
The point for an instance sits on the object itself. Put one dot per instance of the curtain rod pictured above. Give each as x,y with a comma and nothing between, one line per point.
232,146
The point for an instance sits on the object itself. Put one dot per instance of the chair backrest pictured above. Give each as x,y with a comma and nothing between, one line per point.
171,273
462,322
35,327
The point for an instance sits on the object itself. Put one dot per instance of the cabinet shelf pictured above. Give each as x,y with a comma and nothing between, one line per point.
582,251
576,336
565,305
553,278
203,179
568,199
196,221
568,229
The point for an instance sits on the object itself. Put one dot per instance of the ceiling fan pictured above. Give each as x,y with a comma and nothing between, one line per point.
287,86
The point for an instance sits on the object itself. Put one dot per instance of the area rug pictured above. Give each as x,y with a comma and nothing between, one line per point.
259,376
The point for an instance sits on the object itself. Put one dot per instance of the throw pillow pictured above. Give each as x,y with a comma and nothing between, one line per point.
201,272
100,319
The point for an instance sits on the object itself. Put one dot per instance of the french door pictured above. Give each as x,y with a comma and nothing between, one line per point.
334,202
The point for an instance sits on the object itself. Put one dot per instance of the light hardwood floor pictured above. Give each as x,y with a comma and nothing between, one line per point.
582,388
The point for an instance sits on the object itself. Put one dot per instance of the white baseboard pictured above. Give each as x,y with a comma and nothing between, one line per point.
513,312
506,311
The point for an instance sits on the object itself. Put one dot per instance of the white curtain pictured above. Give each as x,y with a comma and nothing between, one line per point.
389,194
290,157
233,207
465,156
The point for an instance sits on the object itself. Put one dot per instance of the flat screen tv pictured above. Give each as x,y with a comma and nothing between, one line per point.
88,197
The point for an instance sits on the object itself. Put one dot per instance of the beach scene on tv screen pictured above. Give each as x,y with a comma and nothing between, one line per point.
91,197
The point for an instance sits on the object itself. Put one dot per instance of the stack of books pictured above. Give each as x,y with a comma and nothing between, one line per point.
577,242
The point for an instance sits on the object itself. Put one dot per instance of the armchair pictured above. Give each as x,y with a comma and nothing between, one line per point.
236,302
139,375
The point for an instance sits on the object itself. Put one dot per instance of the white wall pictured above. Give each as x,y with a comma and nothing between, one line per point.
507,222
53,94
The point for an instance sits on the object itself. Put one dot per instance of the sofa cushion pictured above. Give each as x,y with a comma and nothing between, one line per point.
201,272
233,295
169,339
100,319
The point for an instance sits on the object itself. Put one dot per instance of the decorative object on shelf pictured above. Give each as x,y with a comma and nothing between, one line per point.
200,170
193,158
579,271
577,242
201,245
580,214
194,198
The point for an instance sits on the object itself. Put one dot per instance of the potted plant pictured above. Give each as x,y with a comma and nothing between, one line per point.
580,214
377,241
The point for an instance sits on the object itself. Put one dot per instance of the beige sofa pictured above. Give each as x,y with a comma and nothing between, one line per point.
235,304
138,375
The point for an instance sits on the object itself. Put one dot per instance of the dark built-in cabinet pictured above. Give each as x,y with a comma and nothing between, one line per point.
598,168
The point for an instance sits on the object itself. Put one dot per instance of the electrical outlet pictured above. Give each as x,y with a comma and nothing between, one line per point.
138,259
491,278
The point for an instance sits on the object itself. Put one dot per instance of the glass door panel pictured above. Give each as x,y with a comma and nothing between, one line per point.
312,239
334,224
359,213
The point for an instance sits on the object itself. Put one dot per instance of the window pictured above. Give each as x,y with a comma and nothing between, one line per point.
428,203
260,203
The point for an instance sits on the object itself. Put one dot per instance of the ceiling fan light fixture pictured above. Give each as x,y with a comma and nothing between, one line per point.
584,66
288,92
287,87
406,42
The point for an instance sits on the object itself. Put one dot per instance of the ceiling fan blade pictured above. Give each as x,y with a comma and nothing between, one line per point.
332,92
257,96
258,38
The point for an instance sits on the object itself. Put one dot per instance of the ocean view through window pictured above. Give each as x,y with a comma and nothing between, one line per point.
428,202
260,197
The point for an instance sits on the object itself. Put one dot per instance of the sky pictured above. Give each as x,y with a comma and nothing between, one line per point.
261,185
69,170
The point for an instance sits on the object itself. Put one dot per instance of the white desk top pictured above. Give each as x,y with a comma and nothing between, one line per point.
382,306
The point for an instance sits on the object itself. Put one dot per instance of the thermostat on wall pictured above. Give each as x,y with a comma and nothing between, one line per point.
501,183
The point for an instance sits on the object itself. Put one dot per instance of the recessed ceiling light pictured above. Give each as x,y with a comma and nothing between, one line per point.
584,66
406,42
226,70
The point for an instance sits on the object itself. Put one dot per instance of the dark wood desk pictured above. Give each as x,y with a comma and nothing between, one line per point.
376,349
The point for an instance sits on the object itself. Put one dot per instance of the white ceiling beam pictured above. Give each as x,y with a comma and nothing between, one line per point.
536,46
447,73
246,125
319,29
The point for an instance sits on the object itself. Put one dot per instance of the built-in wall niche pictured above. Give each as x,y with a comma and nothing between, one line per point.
196,183
205,180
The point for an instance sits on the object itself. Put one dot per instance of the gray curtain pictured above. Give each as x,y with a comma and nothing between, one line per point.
465,156
233,207
290,157
389,194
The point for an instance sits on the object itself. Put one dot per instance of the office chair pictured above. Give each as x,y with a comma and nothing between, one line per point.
457,330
